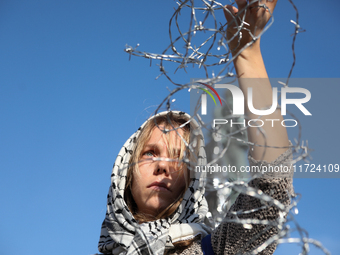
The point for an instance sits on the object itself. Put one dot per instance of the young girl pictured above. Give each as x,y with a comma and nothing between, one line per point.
156,202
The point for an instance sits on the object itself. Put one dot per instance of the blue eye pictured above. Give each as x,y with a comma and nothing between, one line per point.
148,153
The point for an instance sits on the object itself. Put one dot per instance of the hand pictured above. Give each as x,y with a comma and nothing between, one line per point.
255,16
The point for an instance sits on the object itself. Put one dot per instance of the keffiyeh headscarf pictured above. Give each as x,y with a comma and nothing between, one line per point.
122,234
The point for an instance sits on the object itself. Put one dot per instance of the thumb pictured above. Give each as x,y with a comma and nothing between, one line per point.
229,12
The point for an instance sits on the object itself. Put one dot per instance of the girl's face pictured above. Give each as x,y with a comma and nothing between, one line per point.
159,182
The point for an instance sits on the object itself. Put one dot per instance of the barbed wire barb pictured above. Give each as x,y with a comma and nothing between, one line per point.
203,44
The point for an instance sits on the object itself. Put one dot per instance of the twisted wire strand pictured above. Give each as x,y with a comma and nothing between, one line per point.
213,52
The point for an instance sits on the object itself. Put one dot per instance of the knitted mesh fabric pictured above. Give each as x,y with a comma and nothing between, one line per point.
231,237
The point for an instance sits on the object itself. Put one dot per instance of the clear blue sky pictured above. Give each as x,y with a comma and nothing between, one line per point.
70,97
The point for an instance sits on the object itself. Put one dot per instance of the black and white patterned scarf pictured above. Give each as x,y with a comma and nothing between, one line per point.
121,234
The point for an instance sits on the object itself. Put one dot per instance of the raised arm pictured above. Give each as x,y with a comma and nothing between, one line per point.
232,236
252,73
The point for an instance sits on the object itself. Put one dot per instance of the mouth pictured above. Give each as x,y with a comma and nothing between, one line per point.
159,186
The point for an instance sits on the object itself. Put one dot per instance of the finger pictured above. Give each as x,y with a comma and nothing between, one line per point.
229,12
270,4
262,8
241,4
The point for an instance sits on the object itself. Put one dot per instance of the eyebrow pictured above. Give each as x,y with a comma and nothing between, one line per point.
176,151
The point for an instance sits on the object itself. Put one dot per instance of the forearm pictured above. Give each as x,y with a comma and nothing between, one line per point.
252,73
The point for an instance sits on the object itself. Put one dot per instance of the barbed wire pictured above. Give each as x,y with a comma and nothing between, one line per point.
199,41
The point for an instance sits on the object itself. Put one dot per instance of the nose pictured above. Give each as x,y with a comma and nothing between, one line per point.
162,167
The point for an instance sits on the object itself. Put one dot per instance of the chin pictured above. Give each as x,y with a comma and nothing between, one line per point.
154,208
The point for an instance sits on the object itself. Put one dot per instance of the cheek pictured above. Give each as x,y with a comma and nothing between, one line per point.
135,188
137,195
181,182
